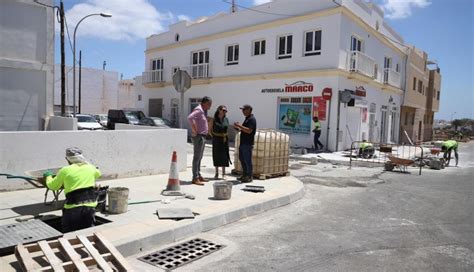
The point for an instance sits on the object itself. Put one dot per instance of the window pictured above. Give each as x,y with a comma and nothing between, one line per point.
437,96
157,64
232,54
397,68
258,48
376,70
414,84
356,44
285,44
413,119
139,97
312,43
420,86
200,64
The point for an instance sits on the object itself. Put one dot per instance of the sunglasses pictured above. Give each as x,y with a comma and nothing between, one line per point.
224,110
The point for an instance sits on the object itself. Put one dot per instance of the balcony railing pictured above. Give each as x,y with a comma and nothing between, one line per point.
153,76
359,62
198,70
391,77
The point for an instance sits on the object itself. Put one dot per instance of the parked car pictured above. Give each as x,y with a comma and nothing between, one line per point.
153,121
87,122
102,119
123,117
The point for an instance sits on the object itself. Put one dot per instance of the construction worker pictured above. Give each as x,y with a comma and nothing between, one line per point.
366,149
317,133
78,180
447,147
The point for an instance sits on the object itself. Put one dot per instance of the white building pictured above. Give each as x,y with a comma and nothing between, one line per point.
280,60
26,64
99,90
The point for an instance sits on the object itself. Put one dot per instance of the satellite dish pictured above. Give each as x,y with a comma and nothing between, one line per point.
346,96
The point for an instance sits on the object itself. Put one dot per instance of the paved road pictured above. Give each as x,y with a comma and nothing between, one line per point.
359,220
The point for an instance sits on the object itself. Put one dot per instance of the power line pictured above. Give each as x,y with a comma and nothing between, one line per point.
259,11
48,6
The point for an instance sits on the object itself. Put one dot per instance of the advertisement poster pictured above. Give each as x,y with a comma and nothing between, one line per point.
295,118
319,108
364,115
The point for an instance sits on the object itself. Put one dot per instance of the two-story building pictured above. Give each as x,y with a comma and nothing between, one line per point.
279,57
26,64
421,99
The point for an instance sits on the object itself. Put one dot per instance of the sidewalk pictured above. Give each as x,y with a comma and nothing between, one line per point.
140,229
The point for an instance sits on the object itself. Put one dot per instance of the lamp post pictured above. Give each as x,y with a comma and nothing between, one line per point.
106,15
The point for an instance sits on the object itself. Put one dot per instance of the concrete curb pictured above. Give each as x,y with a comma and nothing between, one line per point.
355,163
147,241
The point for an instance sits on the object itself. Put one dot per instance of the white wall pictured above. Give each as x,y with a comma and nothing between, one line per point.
62,123
117,153
99,89
26,64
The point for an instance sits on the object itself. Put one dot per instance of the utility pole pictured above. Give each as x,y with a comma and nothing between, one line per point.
80,79
233,8
63,62
103,65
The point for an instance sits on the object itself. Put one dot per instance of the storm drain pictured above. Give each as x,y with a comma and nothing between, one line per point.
181,254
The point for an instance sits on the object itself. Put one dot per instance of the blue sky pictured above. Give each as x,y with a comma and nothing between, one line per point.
442,28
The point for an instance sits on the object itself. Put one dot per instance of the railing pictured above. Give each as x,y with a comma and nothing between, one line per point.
359,62
198,70
153,76
391,77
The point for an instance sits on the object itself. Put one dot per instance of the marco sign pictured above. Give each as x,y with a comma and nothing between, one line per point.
295,87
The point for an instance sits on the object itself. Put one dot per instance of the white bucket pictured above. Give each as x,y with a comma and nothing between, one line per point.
118,200
222,190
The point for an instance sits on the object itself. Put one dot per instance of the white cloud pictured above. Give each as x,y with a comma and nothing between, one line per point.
399,9
184,18
131,19
259,2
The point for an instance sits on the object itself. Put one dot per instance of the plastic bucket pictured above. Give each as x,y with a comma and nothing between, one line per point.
118,200
222,190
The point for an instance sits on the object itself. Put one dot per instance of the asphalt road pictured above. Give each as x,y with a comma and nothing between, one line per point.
361,219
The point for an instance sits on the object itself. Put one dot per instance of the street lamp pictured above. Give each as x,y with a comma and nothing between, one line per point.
106,15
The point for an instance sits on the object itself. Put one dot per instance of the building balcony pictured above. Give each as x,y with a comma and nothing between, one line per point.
154,76
391,77
197,71
361,63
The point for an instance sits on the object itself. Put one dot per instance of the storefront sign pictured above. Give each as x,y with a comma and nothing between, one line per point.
319,108
360,91
295,87
327,93
295,118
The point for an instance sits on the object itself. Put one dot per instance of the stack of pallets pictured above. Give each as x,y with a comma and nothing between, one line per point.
83,253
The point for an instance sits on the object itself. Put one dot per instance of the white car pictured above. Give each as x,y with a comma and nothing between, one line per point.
87,122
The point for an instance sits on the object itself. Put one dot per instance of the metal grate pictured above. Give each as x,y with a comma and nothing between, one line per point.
23,233
173,257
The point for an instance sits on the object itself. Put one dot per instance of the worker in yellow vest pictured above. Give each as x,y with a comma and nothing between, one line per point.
366,149
317,133
78,180
447,147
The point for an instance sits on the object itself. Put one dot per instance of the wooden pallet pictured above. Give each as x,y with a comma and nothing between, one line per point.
263,176
83,253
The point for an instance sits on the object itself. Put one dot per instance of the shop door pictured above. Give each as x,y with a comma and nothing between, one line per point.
155,107
352,130
384,125
372,122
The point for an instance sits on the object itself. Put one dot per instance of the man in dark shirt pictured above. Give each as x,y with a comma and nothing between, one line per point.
247,134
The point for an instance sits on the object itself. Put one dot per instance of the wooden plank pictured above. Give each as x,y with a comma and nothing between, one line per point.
54,261
115,253
24,258
73,255
94,253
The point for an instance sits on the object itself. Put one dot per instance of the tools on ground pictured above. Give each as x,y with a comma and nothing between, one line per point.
254,188
164,201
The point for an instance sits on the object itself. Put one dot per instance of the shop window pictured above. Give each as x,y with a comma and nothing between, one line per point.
294,114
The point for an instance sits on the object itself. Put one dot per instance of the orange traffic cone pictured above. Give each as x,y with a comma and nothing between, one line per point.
173,187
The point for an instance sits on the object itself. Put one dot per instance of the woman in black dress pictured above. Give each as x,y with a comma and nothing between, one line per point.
220,141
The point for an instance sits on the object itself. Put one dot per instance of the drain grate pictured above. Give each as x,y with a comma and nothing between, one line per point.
181,254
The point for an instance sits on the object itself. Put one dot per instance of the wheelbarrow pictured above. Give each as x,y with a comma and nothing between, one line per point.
36,179
400,163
